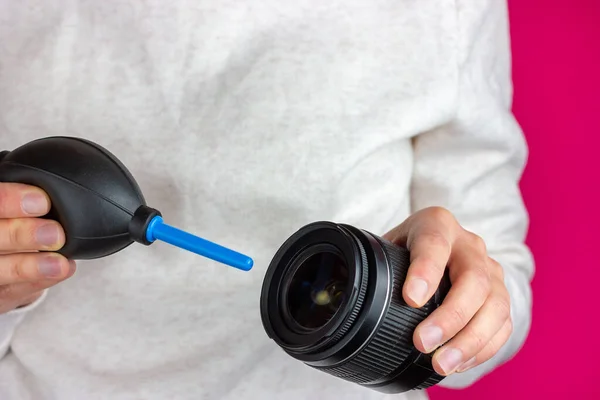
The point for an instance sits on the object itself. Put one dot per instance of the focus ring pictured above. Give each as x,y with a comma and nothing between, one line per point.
392,342
432,380
400,261
397,255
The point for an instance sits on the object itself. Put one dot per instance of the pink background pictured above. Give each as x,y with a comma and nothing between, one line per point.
556,59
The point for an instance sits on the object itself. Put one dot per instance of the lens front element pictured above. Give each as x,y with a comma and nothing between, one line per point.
317,289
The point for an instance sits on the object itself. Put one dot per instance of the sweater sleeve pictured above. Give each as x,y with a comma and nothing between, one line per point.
473,165
10,321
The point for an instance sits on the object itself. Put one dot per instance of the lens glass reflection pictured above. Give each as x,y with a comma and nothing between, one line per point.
317,290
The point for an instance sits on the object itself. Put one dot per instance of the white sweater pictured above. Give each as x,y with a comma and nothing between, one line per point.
242,121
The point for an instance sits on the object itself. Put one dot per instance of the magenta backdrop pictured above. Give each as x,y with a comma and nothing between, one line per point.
556,60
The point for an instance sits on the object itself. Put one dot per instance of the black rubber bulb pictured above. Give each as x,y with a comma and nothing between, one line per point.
97,201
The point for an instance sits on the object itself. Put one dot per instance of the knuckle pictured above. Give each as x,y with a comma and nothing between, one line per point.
12,234
496,268
480,277
17,234
436,239
20,272
21,234
441,214
501,308
509,327
492,347
478,243
14,269
458,317
496,343
429,265
476,339
4,199
494,264
475,242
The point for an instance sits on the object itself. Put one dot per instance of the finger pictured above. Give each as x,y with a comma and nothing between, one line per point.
2,252
14,302
429,253
29,298
471,340
24,292
18,201
31,267
428,235
22,234
471,286
490,349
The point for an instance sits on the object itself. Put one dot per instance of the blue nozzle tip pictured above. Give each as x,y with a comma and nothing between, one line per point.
249,263
158,230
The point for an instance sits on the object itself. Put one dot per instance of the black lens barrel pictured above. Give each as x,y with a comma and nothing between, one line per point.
368,340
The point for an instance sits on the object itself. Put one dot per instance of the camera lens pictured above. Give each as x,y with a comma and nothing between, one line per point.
316,290
332,298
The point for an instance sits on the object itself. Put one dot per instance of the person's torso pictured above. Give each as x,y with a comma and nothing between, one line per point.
241,122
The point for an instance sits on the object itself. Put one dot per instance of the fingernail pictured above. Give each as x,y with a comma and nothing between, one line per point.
47,235
34,204
431,337
72,266
465,366
450,359
49,267
417,290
